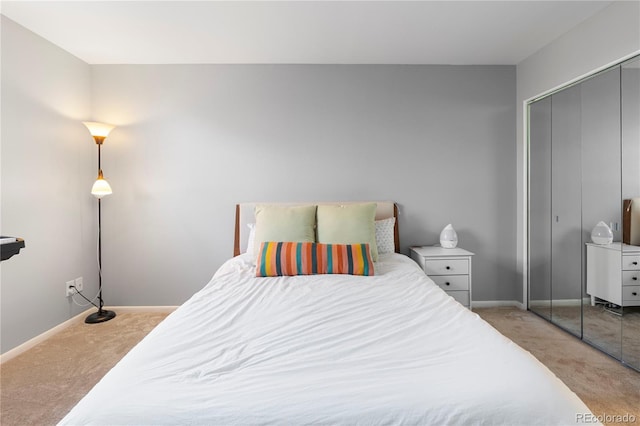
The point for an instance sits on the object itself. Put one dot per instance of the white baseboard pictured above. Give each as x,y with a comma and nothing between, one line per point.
141,309
498,304
78,318
540,303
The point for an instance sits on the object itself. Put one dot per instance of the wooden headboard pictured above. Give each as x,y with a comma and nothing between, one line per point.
245,215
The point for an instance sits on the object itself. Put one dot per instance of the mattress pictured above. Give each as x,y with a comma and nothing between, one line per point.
326,349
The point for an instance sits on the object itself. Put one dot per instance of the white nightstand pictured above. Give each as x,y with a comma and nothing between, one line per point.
449,268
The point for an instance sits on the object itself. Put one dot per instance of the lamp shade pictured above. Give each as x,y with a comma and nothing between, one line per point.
98,129
100,187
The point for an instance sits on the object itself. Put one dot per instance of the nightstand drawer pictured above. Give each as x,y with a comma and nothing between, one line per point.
630,277
460,296
631,293
452,282
631,263
446,267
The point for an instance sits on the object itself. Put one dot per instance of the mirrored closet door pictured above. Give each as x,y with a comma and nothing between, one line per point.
631,212
555,230
540,207
584,161
601,202
566,254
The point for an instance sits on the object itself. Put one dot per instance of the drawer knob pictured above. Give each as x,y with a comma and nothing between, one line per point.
634,263
634,278
448,267
447,283
635,293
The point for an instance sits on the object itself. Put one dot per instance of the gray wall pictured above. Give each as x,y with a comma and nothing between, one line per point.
48,164
193,140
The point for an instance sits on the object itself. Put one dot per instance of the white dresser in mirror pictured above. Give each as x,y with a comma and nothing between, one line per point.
613,273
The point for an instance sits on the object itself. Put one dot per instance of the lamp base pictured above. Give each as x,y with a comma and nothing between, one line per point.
100,316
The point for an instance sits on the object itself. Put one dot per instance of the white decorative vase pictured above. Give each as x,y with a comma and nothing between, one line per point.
448,237
602,234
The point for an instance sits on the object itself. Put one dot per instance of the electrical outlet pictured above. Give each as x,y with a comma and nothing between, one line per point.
69,288
79,284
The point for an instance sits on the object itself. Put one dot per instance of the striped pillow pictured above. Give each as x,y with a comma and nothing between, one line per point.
294,258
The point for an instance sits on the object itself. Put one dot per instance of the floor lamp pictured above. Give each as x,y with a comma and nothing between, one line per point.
100,188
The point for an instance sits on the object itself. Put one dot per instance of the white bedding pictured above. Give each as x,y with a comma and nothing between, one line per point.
330,349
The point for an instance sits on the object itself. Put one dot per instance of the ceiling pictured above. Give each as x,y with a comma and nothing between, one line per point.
301,32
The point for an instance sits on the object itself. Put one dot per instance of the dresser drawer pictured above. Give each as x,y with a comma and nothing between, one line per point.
631,293
446,267
460,296
631,262
452,282
630,277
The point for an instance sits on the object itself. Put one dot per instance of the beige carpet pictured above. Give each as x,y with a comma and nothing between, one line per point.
604,384
42,385
631,336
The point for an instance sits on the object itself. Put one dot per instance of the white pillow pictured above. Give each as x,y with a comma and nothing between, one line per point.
385,235
252,238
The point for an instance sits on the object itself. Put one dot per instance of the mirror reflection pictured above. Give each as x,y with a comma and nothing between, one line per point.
601,195
540,206
631,213
584,210
566,208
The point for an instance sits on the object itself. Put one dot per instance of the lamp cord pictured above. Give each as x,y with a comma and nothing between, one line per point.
79,293
98,294
83,296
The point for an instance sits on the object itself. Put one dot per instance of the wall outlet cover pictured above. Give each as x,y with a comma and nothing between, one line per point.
79,284
68,287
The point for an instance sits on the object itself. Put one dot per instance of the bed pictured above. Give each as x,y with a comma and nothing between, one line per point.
333,349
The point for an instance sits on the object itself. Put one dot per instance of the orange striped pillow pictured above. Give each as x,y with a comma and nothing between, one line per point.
293,258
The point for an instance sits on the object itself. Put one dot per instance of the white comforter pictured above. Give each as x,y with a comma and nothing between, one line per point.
329,350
